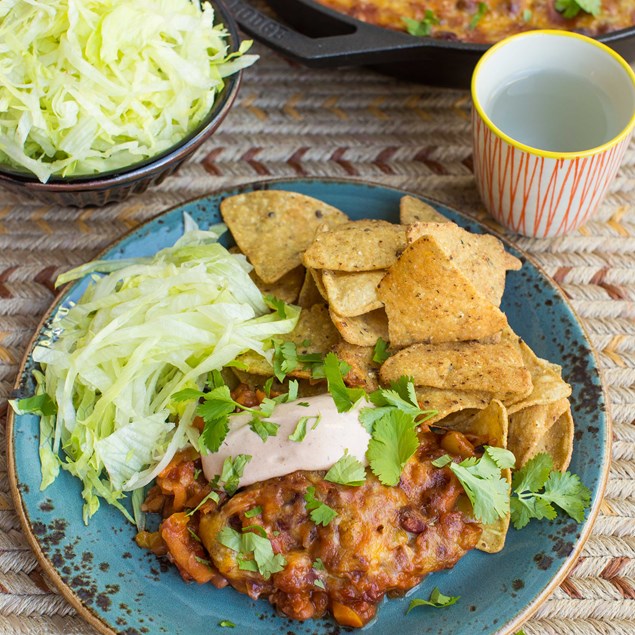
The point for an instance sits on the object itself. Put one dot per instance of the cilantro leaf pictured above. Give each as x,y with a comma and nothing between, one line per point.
300,431
347,471
502,457
285,359
421,28
344,398
319,584
321,514
565,491
263,428
277,305
481,479
318,564
213,434
211,496
380,352
259,529
571,8
437,600
394,440
255,511
481,10
41,404
251,544
226,624
233,469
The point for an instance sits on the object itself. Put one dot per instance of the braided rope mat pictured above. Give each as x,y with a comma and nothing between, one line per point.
291,121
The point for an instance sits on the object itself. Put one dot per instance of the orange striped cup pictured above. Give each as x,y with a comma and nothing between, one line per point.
552,118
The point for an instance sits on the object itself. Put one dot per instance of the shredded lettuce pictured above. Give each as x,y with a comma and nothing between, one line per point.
88,86
111,362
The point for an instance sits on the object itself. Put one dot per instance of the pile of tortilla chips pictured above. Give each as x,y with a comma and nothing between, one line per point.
427,287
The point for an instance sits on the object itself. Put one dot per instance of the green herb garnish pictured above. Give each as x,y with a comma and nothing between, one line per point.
347,471
345,398
437,600
321,514
233,469
255,511
423,27
255,551
537,488
571,8
41,404
476,18
481,479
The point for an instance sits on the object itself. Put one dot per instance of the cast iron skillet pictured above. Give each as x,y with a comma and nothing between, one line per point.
322,38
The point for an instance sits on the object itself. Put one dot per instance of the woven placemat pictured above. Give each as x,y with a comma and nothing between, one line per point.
290,121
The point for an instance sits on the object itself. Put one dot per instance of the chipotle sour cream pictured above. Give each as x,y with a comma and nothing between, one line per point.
323,445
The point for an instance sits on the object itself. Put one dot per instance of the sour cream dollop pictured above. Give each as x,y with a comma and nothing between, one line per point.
323,445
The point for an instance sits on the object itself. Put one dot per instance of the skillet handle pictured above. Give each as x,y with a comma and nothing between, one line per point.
365,45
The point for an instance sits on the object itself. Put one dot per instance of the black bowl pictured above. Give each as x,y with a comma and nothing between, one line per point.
116,185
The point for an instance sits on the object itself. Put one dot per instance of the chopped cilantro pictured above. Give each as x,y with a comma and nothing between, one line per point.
527,15
318,583
347,471
299,433
197,473
203,561
255,511
304,404
259,529
41,404
211,496
344,398
571,8
394,440
226,624
437,600
267,386
380,352
423,27
400,396
248,544
193,534
481,479
476,18
277,305
264,429
233,469
318,564
321,514
566,491
285,359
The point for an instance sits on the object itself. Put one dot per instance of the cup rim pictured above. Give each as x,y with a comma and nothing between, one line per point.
551,154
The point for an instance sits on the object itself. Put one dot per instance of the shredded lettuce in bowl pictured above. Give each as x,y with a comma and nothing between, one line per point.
89,86
111,363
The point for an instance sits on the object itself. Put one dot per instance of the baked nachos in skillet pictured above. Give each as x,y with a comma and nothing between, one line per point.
325,413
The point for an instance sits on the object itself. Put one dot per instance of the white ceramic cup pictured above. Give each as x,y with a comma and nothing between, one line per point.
540,191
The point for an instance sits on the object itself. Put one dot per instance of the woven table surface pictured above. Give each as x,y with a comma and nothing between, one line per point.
290,121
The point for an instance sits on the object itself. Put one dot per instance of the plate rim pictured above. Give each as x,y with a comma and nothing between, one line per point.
510,627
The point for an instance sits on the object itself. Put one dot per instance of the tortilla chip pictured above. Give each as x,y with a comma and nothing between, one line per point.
558,441
314,333
362,330
414,210
528,427
273,228
365,245
351,294
481,258
309,293
364,372
286,288
490,426
497,369
548,385
427,299
445,402
319,283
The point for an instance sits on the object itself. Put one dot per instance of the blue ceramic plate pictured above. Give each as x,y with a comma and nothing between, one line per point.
120,588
